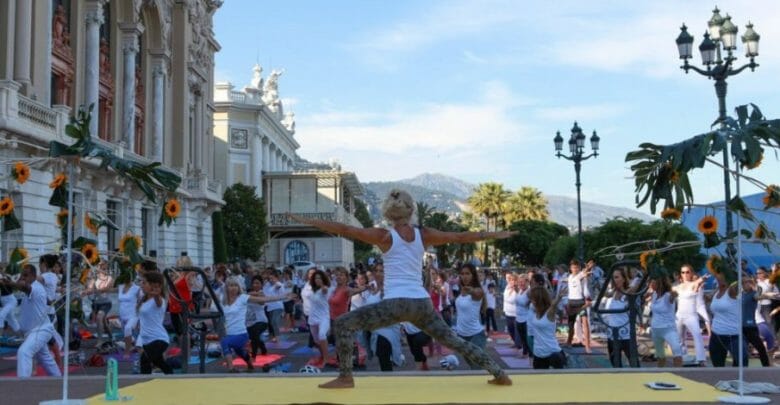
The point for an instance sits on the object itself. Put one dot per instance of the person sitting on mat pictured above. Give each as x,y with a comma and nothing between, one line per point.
403,246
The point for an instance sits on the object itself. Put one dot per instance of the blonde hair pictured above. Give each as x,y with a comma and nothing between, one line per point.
231,281
398,206
184,261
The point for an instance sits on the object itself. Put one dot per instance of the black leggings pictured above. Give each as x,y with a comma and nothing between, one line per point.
255,333
153,355
754,338
555,360
416,343
490,319
522,336
720,345
622,347
384,352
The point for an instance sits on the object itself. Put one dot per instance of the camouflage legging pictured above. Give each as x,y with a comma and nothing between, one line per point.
418,311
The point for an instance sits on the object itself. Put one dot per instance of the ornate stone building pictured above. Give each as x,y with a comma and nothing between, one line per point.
256,146
253,134
147,66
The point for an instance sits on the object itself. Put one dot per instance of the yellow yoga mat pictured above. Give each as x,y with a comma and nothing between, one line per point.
527,388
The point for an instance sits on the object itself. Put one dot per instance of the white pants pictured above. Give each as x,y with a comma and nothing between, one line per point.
36,345
8,312
128,326
691,323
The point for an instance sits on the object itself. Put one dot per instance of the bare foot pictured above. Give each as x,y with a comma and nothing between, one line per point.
501,380
340,382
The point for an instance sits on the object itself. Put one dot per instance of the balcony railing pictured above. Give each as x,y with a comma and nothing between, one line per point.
37,113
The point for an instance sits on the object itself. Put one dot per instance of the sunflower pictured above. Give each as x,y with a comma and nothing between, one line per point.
759,233
90,224
90,253
58,181
6,206
671,213
172,208
62,218
714,264
23,253
21,172
708,225
772,197
645,257
757,162
126,238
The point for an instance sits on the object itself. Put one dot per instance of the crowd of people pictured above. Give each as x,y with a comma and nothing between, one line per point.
370,310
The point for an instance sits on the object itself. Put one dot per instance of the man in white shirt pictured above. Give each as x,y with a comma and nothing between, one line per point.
35,324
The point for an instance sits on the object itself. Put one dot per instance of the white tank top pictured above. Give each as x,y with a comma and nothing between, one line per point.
403,267
725,314
521,306
151,318
545,342
686,302
468,316
663,312
509,302
128,302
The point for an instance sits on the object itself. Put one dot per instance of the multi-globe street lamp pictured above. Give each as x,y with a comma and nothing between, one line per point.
720,37
577,155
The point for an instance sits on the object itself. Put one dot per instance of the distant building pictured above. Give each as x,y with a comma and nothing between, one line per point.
253,135
321,191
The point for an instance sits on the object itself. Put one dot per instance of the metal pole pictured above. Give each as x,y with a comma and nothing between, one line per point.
720,91
68,257
580,249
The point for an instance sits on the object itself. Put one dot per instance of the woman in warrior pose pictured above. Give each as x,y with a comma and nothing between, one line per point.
405,299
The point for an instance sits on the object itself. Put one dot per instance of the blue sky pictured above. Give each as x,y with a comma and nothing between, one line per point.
477,89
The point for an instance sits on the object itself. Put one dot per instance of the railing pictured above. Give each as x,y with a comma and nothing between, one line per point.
201,182
237,97
37,113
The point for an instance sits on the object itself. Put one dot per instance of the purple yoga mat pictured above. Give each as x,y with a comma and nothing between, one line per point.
514,362
281,345
506,351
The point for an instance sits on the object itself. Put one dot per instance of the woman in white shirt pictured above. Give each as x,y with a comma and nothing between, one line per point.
256,320
510,293
469,305
235,307
522,304
663,320
152,335
726,310
546,350
688,302
618,335
319,314
128,294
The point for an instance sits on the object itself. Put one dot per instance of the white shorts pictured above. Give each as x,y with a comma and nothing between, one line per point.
320,330
666,335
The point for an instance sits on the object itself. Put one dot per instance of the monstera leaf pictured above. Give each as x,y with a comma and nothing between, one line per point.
146,177
661,171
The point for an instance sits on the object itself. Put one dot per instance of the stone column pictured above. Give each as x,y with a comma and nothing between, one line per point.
130,49
278,160
94,18
158,109
257,161
200,132
265,166
23,44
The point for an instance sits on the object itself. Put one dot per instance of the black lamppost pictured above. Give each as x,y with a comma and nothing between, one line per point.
577,155
721,36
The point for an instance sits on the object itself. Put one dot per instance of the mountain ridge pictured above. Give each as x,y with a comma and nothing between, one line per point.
449,194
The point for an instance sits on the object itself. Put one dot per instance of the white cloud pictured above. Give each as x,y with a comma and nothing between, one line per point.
582,112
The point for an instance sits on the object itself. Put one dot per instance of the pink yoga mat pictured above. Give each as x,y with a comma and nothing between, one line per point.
260,360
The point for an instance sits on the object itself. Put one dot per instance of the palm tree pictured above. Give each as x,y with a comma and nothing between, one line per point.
424,211
488,200
527,203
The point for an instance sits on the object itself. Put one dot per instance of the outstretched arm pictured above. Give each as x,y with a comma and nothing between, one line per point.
375,236
434,237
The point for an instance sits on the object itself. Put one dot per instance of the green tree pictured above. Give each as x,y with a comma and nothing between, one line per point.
527,203
488,200
561,251
244,222
424,211
218,238
533,240
362,250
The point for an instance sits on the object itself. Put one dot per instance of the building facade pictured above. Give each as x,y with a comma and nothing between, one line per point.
253,135
255,146
147,67
321,191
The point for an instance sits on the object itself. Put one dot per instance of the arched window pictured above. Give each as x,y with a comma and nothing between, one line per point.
296,251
